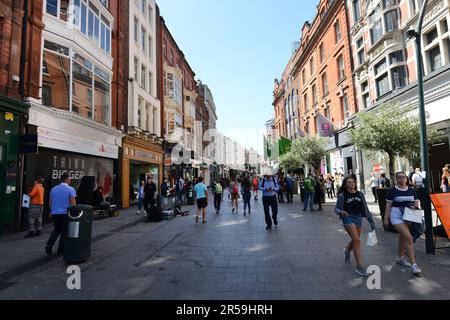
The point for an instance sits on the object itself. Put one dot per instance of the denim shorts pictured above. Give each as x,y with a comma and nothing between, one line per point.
353,219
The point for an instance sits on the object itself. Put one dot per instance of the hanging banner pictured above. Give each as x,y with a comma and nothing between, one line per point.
441,203
324,126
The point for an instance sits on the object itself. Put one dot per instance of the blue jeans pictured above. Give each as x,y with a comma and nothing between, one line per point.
353,220
140,203
309,199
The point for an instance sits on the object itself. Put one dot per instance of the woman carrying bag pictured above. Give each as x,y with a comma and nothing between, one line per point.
398,199
351,207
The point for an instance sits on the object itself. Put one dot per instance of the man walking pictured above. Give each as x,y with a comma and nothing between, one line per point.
218,191
62,197
310,186
270,187
255,184
201,195
149,194
289,186
36,209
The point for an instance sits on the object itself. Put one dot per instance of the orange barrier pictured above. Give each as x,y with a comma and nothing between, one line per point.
441,203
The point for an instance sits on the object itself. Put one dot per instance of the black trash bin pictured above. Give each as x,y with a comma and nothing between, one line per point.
77,243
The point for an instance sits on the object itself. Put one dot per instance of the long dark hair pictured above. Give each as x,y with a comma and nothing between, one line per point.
343,187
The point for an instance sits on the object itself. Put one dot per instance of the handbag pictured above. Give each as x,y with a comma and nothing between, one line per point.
411,215
372,239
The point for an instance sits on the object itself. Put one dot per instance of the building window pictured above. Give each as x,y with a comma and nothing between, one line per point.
150,48
52,7
143,7
306,103
356,10
365,95
314,94
396,57
311,65
171,57
304,76
150,15
360,51
391,20
382,84
388,3
150,83
337,31
165,48
136,68
398,77
143,39
434,58
83,16
322,53
376,25
345,108
341,68
325,84
431,36
143,77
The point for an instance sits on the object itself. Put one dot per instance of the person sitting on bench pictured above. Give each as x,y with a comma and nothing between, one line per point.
98,201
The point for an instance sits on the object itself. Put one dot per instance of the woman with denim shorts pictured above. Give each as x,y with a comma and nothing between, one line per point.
351,207
397,199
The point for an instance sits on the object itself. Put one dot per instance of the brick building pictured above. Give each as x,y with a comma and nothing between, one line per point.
139,109
318,80
20,52
385,68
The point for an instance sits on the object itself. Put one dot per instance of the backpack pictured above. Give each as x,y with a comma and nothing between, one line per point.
218,189
308,185
235,189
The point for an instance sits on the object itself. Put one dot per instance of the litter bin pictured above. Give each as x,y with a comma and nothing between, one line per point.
77,243
191,200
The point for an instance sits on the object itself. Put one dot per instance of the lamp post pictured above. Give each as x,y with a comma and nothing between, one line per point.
417,34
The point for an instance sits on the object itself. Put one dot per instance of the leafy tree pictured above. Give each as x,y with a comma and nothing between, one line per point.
390,129
310,150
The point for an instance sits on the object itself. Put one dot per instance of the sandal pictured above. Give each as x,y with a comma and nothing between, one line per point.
204,222
196,219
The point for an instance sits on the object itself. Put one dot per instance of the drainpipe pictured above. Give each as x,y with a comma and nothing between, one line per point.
23,50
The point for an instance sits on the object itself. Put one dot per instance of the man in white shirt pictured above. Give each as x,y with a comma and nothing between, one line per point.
417,179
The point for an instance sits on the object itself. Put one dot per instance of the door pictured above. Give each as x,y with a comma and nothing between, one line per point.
2,182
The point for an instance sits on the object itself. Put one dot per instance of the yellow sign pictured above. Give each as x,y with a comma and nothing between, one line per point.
9,116
442,205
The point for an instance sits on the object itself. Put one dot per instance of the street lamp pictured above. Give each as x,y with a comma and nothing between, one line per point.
417,34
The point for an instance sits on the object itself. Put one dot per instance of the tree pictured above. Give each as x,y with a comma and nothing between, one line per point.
390,129
310,150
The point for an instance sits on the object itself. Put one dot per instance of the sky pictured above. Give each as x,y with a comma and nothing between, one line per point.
238,48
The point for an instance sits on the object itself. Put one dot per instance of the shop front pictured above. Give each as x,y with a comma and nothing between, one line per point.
141,160
63,153
11,121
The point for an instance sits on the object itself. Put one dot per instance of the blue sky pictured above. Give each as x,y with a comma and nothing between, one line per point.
238,48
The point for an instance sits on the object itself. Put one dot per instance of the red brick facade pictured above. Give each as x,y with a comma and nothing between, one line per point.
11,20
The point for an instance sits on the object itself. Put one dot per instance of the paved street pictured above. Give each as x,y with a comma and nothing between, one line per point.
232,257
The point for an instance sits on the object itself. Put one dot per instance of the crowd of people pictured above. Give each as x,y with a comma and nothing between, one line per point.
351,205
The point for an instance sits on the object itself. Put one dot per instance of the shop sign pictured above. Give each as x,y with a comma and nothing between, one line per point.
147,155
168,162
29,143
377,168
9,116
54,139
442,204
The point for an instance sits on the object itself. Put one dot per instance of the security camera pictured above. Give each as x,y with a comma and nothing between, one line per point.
411,33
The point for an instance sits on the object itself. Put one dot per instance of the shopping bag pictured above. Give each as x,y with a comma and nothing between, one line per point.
372,239
411,215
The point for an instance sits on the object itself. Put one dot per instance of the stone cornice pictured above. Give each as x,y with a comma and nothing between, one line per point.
70,116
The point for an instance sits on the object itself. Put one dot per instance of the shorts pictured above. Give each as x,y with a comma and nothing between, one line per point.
202,203
396,217
353,220
234,196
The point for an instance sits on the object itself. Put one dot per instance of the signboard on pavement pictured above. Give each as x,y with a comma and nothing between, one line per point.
441,203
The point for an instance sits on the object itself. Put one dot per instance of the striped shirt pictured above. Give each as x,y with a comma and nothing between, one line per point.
401,197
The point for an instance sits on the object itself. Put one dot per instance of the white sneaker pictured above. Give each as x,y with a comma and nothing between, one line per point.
403,261
415,269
